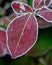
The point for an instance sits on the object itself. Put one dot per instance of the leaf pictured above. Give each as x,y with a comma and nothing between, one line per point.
48,2
38,3
43,44
45,13
19,7
42,23
21,35
3,48
29,2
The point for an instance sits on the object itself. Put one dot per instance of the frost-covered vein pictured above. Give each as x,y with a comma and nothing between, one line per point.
45,12
21,34
44,7
44,18
39,3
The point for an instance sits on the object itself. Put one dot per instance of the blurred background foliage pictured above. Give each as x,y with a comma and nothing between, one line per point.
41,53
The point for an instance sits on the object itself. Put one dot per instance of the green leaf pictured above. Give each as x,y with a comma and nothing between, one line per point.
29,2
24,60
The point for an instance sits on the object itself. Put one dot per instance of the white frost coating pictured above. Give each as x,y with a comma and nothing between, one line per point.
44,11
32,45
37,6
22,6
7,38
40,3
22,33
7,34
45,7
44,18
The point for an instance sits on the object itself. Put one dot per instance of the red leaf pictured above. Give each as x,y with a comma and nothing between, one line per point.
48,2
46,14
38,3
21,35
3,48
19,7
42,23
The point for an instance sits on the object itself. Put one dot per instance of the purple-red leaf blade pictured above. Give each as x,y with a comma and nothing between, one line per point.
45,13
22,35
3,47
19,7
38,3
48,2
42,23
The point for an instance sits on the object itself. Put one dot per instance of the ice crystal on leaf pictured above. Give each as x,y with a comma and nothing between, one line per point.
22,31
37,6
